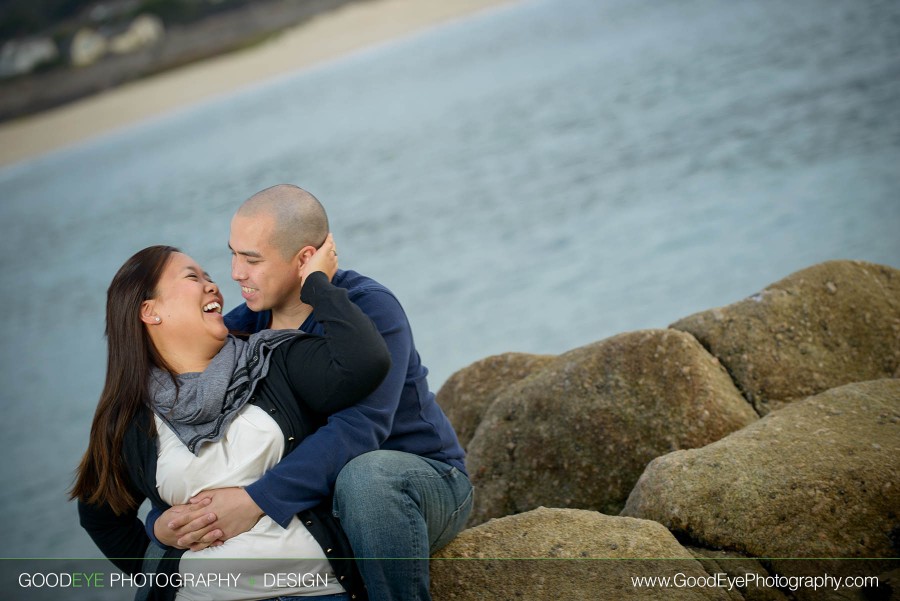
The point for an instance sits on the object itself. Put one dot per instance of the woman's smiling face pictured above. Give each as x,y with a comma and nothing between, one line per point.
189,307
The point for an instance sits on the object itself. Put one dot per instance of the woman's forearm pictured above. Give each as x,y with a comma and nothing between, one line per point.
347,363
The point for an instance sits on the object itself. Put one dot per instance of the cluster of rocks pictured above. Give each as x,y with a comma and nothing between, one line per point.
761,439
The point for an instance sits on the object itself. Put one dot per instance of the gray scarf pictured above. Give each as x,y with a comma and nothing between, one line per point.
201,407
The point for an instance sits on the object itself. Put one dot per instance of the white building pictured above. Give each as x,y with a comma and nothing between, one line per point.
22,56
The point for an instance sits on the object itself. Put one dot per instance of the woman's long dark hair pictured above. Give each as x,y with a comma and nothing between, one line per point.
102,476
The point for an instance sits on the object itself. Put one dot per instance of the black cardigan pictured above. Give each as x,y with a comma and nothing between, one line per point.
309,378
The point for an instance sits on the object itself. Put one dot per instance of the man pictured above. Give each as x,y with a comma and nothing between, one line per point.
392,462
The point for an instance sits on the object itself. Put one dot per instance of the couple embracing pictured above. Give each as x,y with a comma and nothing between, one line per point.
293,440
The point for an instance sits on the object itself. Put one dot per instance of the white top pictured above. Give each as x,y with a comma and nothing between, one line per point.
268,560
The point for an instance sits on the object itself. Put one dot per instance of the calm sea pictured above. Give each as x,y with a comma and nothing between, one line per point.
533,179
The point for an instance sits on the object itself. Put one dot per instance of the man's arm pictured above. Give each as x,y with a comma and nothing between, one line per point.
306,476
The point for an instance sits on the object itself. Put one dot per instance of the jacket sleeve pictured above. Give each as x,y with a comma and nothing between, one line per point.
306,476
334,371
121,538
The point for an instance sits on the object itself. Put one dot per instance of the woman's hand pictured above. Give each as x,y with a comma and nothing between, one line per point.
325,259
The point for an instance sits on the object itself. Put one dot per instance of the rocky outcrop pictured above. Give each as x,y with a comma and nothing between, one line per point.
476,565
468,393
767,502
815,479
579,432
755,580
825,326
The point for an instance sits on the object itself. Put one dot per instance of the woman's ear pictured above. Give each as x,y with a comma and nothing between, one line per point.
148,313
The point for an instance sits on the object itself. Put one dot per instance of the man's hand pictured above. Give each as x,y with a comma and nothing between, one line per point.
236,512
193,519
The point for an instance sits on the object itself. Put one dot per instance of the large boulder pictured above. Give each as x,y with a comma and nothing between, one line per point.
751,581
828,325
545,555
467,394
580,432
819,478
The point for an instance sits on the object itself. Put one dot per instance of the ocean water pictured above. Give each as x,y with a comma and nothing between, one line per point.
533,178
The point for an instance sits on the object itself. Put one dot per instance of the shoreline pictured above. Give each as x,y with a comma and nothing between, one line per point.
326,37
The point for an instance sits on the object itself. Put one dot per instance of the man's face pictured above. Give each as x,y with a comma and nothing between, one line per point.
267,279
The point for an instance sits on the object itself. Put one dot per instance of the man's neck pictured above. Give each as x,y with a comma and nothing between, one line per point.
290,319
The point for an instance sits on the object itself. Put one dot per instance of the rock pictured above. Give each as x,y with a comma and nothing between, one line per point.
891,582
467,394
828,325
819,478
749,570
580,432
552,554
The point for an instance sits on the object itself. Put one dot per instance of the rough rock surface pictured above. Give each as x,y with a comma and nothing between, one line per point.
553,554
819,478
830,324
736,566
467,394
580,432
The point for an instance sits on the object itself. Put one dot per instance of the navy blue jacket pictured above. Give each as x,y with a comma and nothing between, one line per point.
401,414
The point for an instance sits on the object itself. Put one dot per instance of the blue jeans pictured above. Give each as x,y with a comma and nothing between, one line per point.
397,509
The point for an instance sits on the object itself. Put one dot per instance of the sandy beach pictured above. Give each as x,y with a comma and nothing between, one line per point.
326,37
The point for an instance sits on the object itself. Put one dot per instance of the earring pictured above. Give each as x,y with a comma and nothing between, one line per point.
158,319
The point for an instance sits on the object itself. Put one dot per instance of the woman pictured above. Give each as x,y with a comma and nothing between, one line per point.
187,406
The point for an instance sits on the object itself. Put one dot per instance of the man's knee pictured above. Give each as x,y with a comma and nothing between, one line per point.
369,474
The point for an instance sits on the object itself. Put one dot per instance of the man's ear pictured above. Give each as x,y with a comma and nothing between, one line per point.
148,313
305,253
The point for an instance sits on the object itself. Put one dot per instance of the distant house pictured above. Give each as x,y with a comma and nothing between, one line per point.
89,45
22,56
145,30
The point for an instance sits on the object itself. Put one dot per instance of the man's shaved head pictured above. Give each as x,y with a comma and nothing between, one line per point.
299,217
